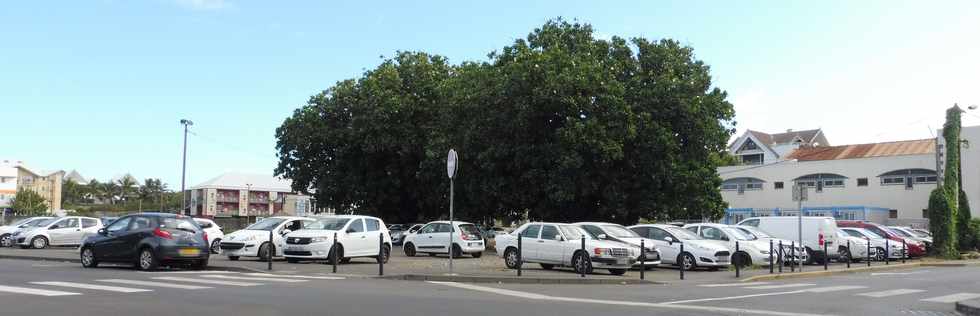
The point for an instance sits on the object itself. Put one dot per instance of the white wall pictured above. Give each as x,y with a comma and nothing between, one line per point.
970,165
909,203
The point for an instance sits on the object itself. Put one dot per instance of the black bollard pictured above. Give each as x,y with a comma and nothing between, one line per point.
887,252
826,256
738,265
585,255
869,252
333,253
904,251
681,259
271,250
643,259
792,257
849,254
770,257
381,254
519,254
782,257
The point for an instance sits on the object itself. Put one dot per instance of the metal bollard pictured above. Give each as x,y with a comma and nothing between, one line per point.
520,256
381,254
887,252
792,257
770,257
826,256
681,263
585,254
738,270
643,259
333,253
849,254
272,250
782,257
904,251
869,253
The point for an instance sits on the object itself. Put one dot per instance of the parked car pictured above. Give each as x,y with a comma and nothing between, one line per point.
398,233
554,244
817,230
7,231
852,248
923,232
790,255
746,252
64,231
433,239
915,248
253,241
357,236
698,252
906,232
215,235
619,233
877,243
150,240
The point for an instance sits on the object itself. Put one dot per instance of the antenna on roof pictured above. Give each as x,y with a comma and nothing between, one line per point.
931,132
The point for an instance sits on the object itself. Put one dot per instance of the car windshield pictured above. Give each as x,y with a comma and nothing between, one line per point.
918,233
683,234
899,232
180,223
571,232
267,224
755,231
43,222
327,223
20,222
870,234
619,231
738,234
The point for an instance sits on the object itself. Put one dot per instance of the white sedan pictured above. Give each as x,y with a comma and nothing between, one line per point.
554,244
7,231
698,252
357,236
253,241
65,231
747,250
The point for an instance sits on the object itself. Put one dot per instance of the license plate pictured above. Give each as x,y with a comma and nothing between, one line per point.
189,252
621,261
722,259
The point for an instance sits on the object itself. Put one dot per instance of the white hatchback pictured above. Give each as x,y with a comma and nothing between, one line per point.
253,241
214,233
65,231
357,236
434,238
747,250
698,252
7,231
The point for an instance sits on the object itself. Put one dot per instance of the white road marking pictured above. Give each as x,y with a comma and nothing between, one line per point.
834,288
733,297
898,273
533,296
734,284
94,287
231,277
204,281
27,290
890,293
952,298
156,284
295,276
778,286
190,272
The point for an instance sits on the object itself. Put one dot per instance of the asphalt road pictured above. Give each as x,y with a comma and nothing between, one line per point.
25,286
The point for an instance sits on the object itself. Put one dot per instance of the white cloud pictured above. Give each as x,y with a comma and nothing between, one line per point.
204,4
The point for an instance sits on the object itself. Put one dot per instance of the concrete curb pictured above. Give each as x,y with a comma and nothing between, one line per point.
808,274
513,280
969,307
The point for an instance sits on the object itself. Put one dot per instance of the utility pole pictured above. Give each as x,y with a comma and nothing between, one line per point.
183,171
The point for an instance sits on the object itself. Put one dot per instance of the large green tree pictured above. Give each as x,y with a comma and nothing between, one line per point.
560,126
28,202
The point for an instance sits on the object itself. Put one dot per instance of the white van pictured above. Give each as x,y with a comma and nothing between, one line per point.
817,230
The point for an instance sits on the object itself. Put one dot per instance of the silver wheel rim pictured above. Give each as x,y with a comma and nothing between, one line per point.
580,264
146,259
5,242
39,243
215,247
687,262
512,258
87,257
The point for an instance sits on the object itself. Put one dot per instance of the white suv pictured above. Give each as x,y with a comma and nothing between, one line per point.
214,233
554,244
65,231
357,236
253,241
698,252
433,239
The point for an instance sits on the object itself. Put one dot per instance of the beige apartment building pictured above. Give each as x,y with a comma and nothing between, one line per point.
14,175
239,194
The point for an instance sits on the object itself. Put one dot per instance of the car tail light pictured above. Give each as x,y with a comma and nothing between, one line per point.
820,239
162,234
205,236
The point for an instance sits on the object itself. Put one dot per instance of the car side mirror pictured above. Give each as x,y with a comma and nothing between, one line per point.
350,230
559,238
54,227
670,240
103,232
602,236
725,238
284,232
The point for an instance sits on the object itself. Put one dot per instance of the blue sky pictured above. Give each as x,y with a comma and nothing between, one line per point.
100,86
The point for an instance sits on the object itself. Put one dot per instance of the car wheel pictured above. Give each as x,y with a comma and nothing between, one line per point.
742,259
510,258
457,251
233,258
384,255
39,242
292,260
582,263
6,241
880,254
88,258
216,246
200,265
147,260
409,249
845,255
811,258
687,261
477,254
265,250
547,266
617,271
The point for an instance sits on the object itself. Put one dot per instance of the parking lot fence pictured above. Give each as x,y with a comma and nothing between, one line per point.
271,250
887,252
826,256
869,253
781,255
903,250
849,254
770,257
585,256
792,256
738,264
520,253
381,254
333,253
681,261
643,259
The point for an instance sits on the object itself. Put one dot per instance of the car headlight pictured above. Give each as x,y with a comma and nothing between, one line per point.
319,239
602,252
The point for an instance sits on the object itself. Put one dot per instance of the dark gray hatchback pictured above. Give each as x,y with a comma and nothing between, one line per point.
149,240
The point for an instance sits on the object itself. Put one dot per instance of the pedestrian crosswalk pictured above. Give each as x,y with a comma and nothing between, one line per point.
157,282
798,288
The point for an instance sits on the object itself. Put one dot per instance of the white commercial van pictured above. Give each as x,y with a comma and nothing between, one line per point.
817,230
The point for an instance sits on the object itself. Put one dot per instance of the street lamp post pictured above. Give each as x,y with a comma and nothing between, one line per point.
183,171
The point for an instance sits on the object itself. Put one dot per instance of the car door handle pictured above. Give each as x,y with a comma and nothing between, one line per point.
362,237
430,236
78,230
541,241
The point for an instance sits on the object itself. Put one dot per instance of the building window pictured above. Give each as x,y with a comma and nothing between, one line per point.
925,213
756,159
749,145
821,181
908,177
862,182
742,184
892,213
779,185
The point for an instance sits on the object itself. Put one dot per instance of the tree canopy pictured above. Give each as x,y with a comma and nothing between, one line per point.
558,126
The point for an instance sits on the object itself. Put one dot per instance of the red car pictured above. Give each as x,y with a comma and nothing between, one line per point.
915,248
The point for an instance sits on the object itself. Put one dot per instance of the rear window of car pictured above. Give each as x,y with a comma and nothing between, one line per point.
469,229
179,223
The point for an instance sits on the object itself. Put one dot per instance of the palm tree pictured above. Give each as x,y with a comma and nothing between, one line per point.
93,190
108,191
126,184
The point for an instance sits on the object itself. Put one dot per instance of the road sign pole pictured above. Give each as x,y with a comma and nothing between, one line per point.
451,166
